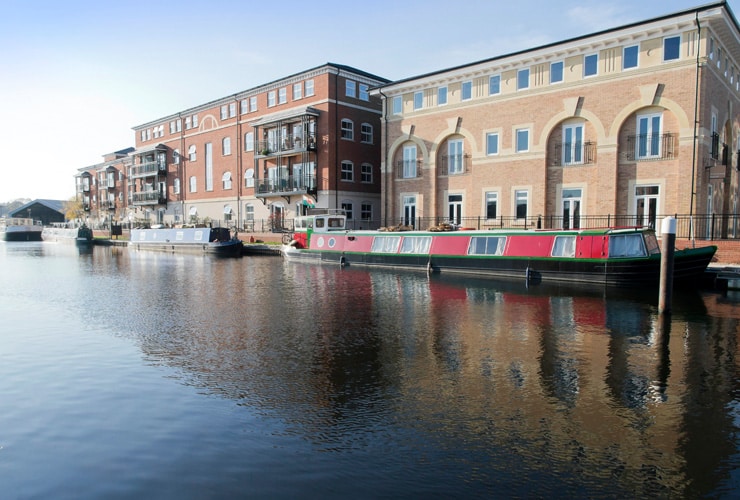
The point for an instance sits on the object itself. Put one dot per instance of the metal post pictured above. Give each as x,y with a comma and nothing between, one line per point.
668,243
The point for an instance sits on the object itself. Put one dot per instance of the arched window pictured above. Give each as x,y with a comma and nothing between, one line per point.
348,130
226,180
226,146
176,186
193,184
176,156
191,153
249,178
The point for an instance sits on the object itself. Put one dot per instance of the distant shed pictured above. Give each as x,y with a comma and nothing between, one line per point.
47,211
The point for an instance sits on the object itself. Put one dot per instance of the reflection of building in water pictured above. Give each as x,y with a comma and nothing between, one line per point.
573,381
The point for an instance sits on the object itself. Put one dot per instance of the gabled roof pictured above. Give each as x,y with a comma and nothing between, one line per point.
57,205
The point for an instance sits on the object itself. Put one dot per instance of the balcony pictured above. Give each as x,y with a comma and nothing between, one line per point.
454,165
305,184
148,198
286,145
652,147
565,154
408,169
148,169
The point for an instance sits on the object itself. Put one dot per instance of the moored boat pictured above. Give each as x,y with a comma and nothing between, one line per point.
20,229
216,241
606,256
64,233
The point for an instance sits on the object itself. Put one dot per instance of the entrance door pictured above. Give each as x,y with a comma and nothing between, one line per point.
277,213
454,208
646,209
409,211
571,209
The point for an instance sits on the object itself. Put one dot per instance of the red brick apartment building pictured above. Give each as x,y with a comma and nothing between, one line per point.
621,126
264,154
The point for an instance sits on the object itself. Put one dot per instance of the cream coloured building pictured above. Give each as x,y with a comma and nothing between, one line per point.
622,126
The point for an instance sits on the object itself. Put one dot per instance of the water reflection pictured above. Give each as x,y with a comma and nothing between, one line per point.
540,390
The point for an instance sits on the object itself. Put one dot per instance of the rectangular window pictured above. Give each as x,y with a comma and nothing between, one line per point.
209,166
522,79
487,245
253,104
416,244
348,173
494,85
350,88
441,96
672,48
572,144
249,141
629,56
366,211
418,100
522,201
193,184
297,91
232,110
244,107
348,130
366,133
187,123
397,105
224,112
385,244
226,146
366,173
271,98
564,246
409,162
522,140
590,65
492,144
309,87
455,156
347,208
648,136
491,205
364,94
195,121
282,95
556,72
467,90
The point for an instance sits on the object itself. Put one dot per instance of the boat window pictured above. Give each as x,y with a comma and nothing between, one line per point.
487,245
336,222
652,243
319,222
416,244
385,244
565,246
179,235
198,236
626,245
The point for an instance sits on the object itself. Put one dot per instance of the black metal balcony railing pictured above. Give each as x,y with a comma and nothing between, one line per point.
148,198
286,185
650,147
288,143
408,169
149,168
454,165
566,154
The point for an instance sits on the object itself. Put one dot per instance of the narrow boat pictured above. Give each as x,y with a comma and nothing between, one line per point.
614,256
207,240
20,229
65,233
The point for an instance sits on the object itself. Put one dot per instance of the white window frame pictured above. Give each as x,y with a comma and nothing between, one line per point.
366,173
366,133
397,105
350,88
521,135
364,94
297,91
226,146
271,99
249,141
624,57
348,171
418,100
586,62
442,91
494,85
282,95
409,162
652,145
253,104
193,184
347,129
308,88
466,90
678,55
490,197
455,157
492,136
521,197
562,72
573,150
522,81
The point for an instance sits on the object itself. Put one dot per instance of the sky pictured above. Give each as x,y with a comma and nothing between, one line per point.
76,76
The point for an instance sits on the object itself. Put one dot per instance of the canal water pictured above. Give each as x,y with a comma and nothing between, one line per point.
144,375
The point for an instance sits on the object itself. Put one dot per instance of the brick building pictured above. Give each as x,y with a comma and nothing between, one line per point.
264,154
102,188
621,126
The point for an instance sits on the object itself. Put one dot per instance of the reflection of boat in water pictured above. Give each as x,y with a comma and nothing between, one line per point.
199,240
82,236
604,256
20,229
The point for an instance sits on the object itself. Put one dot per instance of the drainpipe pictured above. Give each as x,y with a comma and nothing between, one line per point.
239,167
337,173
696,123
384,195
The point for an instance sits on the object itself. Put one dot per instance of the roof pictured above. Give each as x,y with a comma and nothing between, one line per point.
710,6
57,205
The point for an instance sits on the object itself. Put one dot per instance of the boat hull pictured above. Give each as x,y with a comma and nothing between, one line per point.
20,233
186,240
689,266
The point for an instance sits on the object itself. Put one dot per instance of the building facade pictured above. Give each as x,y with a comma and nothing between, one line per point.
102,189
265,154
622,126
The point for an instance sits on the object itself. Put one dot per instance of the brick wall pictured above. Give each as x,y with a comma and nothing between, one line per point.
728,251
